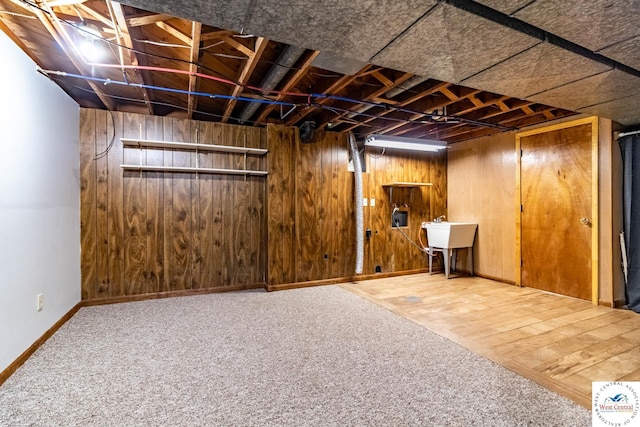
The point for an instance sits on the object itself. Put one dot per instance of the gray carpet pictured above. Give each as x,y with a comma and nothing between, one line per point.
315,356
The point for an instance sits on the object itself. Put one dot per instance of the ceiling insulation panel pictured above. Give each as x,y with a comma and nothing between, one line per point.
350,29
625,110
535,70
598,89
451,44
626,52
594,24
217,13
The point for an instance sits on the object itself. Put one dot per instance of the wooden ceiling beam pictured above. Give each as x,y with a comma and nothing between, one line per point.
96,16
502,106
59,34
446,91
56,3
432,108
24,6
245,74
194,55
129,58
239,46
476,102
488,116
174,32
527,110
484,117
295,78
404,103
215,35
548,114
372,71
382,79
418,116
479,106
340,84
140,21
375,96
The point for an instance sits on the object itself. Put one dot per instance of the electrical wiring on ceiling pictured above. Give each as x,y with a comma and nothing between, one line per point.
120,46
166,104
52,73
309,95
259,92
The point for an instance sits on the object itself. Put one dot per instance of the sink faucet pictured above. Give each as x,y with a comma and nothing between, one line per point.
440,218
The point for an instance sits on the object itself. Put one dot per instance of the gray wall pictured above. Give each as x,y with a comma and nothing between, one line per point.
39,203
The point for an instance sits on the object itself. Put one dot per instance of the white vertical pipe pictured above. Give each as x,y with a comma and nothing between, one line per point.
357,175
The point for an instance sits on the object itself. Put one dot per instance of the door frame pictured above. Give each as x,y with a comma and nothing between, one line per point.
593,121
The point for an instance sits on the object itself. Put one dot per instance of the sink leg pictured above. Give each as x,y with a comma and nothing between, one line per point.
447,258
454,255
470,261
430,259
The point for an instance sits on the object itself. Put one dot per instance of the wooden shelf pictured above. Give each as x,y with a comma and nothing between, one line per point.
407,184
194,148
399,184
191,146
187,169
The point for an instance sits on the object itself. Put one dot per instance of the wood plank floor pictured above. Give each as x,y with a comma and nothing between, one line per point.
559,342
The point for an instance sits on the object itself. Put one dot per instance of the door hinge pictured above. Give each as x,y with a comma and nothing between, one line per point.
521,153
521,208
521,262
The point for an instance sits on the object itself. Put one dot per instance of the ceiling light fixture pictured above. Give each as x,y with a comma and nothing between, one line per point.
88,44
400,143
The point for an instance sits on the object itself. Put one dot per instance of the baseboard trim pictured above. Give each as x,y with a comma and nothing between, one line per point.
337,280
496,279
171,294
13,367
615,304
619,303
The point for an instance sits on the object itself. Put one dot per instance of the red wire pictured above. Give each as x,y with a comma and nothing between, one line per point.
193,73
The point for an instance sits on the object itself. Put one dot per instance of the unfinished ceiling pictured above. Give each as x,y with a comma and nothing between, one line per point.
450,70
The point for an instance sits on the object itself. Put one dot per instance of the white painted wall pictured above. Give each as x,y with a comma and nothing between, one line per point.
39,202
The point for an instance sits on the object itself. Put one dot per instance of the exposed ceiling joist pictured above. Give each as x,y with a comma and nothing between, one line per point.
60,35
174,32
238,46
390,84
194,54
95,15
56,3
332,90
437,88
245,74
147,52
140,21
129,57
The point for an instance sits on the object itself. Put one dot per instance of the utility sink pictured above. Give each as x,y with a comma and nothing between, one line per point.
450,234
446,236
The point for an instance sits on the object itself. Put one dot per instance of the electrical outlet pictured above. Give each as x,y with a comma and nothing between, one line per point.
364,201
372,202
40,302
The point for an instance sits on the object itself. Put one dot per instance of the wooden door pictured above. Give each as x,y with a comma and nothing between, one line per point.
556,173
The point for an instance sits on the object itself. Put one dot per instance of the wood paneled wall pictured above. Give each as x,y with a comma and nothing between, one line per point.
154,232
482,180
311,207
389,249
160,232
